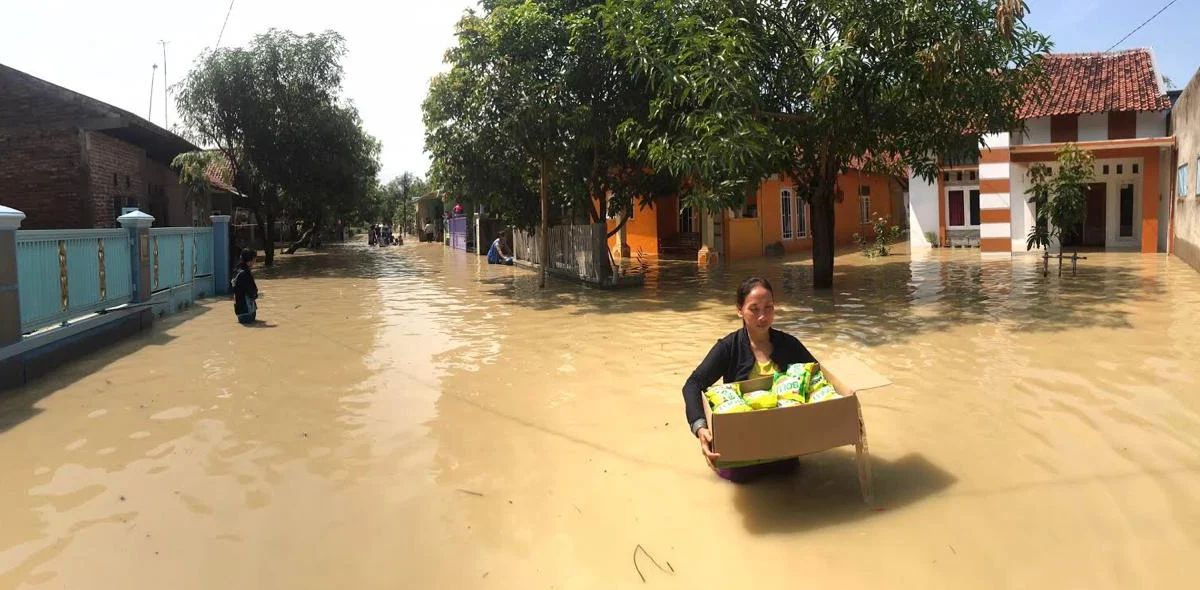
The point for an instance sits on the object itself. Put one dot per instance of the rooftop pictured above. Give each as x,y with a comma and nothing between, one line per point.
1079,83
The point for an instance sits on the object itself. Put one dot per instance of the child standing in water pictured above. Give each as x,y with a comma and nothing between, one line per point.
245,292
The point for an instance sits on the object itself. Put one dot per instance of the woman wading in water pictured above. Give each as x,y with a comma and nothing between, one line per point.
755,350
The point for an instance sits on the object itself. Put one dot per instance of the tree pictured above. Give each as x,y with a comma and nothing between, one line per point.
274,110
1059,199
527,118
744,89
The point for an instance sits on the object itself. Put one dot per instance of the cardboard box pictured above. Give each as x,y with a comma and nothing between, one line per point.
782,433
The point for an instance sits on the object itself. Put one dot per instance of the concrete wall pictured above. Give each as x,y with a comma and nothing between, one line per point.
1037,131
922,211
1093,127
1152,124
1185,122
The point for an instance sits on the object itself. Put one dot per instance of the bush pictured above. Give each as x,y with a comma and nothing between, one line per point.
886,234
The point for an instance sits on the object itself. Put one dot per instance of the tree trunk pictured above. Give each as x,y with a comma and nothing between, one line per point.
823,236
269,240
545,228
305,240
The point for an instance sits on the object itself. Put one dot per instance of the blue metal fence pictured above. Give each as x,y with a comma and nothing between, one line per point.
202,241
172,257
68,273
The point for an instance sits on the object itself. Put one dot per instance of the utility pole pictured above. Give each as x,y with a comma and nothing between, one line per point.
150,111
166,89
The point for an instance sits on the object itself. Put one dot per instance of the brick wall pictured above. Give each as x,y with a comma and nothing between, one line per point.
43,175
116,173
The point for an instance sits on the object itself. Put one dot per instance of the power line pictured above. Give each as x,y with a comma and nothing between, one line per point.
227,11
1139,27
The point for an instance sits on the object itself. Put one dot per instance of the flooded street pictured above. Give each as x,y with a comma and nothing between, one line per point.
415,418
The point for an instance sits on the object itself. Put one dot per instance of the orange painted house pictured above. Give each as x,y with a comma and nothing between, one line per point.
772,221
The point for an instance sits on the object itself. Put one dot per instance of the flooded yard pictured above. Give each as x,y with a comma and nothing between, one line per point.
415,418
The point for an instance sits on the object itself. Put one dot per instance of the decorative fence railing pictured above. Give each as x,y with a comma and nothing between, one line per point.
69,273
62,275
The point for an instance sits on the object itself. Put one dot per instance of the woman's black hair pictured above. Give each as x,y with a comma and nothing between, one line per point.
748,285
247,255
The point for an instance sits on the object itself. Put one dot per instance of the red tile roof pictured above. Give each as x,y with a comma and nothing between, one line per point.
1080,83
220,174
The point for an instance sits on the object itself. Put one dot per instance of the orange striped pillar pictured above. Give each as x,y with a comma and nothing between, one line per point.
995,214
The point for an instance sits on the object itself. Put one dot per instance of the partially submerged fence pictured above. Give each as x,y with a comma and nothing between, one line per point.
70,273
64,274
579,250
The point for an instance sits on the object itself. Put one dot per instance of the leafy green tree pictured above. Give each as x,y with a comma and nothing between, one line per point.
744,89
274,110
1059,198
526,120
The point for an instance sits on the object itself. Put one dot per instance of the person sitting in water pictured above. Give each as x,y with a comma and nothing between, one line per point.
496,254
245,292
755,350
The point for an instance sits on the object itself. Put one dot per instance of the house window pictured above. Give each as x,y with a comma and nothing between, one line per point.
786,210
1181,182
801,219
864,203
1106,168
1135,168
1126,202
946,176
1120,169
958,176
964,207
972,175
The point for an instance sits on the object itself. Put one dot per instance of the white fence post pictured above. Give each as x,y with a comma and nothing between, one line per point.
10,294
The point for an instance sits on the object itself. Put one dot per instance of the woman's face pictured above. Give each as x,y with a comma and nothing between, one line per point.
759,309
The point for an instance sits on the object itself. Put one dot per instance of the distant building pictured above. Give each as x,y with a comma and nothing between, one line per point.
70,161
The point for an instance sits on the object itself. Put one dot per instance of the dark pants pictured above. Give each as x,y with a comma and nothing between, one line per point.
751,473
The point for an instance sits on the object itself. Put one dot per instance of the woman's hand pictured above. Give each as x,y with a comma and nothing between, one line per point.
705,436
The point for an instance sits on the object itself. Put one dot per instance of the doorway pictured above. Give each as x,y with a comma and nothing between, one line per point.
1091,233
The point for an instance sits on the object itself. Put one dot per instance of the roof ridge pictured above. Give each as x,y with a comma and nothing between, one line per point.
1116,53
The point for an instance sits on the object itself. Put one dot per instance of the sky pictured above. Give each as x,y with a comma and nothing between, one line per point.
106,48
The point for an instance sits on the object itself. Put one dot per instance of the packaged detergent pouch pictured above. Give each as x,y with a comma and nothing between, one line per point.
804,372
816,382
786,403
760,400
826,392
733,406
788,387
720,394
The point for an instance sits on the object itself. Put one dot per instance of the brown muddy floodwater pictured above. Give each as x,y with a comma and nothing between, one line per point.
419,419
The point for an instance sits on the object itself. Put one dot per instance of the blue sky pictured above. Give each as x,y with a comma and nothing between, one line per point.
1094,25
105,49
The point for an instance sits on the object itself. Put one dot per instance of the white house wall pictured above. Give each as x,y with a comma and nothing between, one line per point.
1022,211
1093,127
1037,130
1152,124
922,211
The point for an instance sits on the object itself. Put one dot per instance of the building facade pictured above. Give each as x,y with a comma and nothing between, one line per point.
1185,126
70,161
1111,104
774,220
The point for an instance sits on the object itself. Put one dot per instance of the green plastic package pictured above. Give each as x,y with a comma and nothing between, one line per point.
760,400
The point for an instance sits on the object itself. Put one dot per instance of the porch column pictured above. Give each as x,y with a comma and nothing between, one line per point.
1151,193
138,225
709,252
995,215
10,295
622,249
220,251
